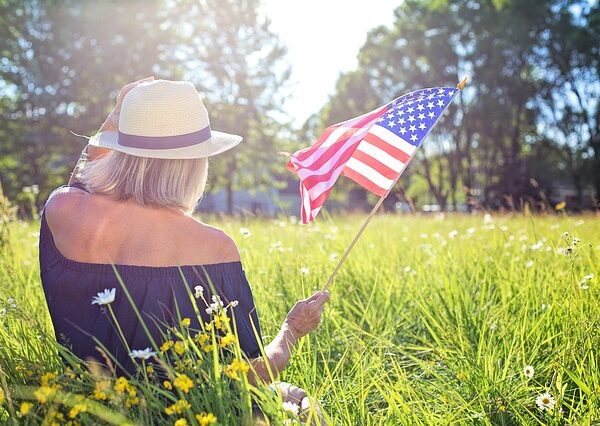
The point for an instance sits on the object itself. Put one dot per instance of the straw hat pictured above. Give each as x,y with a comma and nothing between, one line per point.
165,119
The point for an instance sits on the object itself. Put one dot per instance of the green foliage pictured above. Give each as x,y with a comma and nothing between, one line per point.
64,62
533,87
431,320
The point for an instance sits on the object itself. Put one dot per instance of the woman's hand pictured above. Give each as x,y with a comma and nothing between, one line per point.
305,316
111,124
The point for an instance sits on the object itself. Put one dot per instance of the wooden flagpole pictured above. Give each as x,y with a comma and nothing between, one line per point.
369,217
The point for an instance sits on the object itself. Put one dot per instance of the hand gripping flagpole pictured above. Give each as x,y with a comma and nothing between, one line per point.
370,216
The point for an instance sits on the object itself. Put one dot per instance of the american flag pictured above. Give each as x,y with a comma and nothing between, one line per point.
373,150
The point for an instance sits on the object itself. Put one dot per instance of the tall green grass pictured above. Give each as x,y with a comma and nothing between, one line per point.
431,320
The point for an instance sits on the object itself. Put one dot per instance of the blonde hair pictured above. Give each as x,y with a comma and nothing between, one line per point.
149,181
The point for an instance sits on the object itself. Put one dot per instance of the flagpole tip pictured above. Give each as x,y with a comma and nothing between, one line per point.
462,83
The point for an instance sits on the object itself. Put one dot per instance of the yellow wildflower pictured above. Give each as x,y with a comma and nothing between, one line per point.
121,384
186,322
25,407
221,321
2,397
76,409
206,419
46,378
208,348
55,418
179,347
167,384
70,374
227,339
560,205
240,365
150,369
232,369
131,401
178,407
166,346
43,393
202,338
208,326
100,390
181,422
183,382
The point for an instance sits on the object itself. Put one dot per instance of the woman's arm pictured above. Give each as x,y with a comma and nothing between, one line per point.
303,318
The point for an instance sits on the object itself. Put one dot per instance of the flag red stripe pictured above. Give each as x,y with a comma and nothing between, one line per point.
303,155
306,152
387,147
323,159
375,164
314,179
364,182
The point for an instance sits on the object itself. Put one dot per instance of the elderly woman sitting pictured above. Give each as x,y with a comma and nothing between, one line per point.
129,206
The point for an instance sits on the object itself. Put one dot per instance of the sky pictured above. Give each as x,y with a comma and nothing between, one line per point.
323,38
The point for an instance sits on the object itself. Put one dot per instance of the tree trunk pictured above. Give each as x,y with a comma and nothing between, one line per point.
230,176
596,168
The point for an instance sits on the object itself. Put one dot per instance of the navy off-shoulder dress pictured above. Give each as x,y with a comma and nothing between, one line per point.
159,293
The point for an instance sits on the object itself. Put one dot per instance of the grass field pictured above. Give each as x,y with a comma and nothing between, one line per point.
431,320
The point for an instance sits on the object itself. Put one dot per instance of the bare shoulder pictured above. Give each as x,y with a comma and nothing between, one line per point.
221,245
63,200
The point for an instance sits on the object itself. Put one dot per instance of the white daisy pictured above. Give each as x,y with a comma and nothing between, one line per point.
528,371
234,303
104,297
142,354
304,270
198,292
453,234
216,305
545,401
245,232
291,408
529,264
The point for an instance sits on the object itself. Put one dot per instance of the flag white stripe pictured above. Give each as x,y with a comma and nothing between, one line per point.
333,137
369,173
318,189
381,156
329,164
392,139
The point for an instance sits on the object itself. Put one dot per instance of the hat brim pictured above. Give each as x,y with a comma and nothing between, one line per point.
218,143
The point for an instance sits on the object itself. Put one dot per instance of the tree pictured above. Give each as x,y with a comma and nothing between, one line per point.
64,61
485,143
62,67
239,62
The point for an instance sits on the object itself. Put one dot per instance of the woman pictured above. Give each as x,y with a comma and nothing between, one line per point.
129,203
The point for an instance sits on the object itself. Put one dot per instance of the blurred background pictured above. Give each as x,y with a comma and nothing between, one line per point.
524,134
